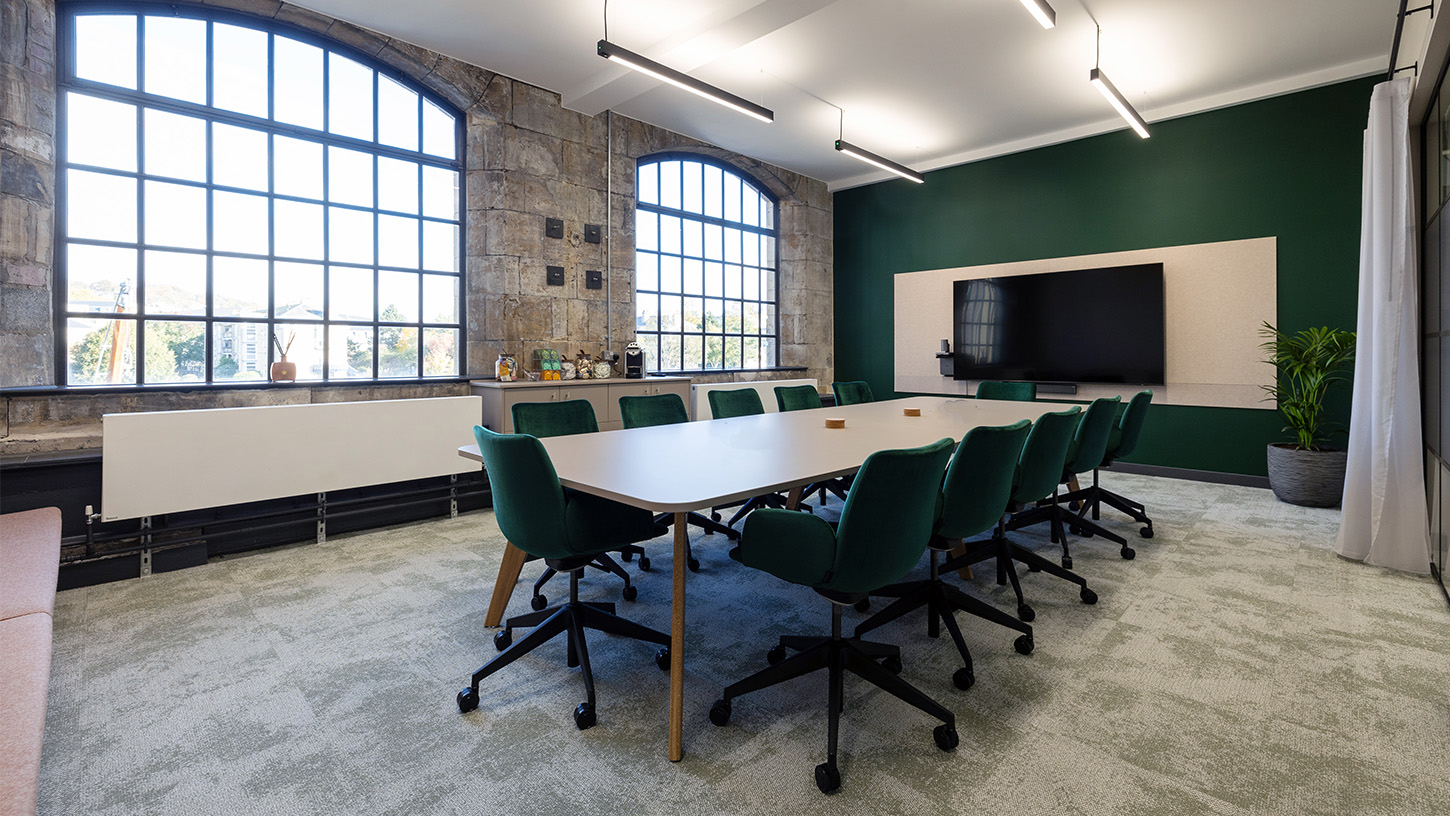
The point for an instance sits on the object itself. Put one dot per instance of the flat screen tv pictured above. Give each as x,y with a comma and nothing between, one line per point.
1083,326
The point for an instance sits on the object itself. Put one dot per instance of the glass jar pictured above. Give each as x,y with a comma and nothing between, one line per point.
505,369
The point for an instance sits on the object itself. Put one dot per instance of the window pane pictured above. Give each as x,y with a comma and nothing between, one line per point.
175,145
693,233
397,185
175,284
669,234
749,209
298,229
646,312
750,246
694,315
751,279
647,271
440,193
651,345
100,351
731,245
239,69
397,241
767,251
397,115
99,279
694,274
670,184
239,287
439,132
239,157
100,132
714,352
714,205
350,293
752,318
176,58
714,242
670,274
692,346
175,351
767,351
649,183
670,352
732,281
732,352
440,299
398,297
349,177
349,235
732,316
767,285
239,352
298,289
239,223
297,83
349,97
397,351
303,342
350,352
751,353
646,230
106,48
297,167
730,189
440,352
175,215
669,313
714,315
100,206
440,246
692,182
714,279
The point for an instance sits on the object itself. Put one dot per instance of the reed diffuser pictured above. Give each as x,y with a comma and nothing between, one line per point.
283,371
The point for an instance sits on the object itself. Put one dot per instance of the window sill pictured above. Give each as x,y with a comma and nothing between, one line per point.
162,388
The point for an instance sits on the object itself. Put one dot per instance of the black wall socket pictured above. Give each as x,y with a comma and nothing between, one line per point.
592,234
553,228
555,275
593,279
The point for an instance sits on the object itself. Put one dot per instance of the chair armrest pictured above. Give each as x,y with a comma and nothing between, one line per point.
795,546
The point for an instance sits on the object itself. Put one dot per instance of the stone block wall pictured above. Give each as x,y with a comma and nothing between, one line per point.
527,159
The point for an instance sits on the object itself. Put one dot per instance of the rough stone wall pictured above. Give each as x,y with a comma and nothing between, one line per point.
527,159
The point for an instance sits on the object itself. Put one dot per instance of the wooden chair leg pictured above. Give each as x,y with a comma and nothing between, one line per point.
503,585
965,573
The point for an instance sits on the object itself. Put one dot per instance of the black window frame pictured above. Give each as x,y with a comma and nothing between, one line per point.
67,82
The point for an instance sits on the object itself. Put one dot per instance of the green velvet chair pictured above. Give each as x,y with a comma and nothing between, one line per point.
884,527
974,495
797,397
545,419
997,390
568,530
1122,440
852,393
669,409
1085,452
1038,471
736,402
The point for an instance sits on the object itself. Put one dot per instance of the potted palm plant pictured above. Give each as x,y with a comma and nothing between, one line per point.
1306,471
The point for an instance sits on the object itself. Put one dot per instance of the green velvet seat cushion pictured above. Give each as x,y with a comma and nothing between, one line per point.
797,397
543,419
606,524
1020,391
656,409
734,403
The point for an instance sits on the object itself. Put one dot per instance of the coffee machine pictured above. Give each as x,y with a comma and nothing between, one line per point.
633,361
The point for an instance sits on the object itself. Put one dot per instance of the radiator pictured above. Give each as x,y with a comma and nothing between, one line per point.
700,404
171,461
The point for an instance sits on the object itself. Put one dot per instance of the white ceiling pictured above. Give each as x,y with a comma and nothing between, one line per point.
928,83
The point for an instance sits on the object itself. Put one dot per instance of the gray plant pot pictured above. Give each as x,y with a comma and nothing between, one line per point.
1307,478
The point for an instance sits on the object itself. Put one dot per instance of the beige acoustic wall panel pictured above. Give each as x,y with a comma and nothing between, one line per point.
169,461
1216,296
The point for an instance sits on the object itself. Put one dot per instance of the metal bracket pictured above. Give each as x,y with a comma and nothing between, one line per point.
453,496
321,518
146,545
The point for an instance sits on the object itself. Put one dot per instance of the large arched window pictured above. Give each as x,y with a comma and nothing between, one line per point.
705,266
230,192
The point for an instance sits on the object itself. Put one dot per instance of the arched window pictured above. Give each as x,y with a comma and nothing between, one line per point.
705,266
231,192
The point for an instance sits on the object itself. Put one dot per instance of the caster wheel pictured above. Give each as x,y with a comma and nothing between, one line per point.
630,592
693,564
1074,506
963,678
1023,644
584,716
775,655
1146,532
1026,613
1077,531
945,736
863,605
1067,562
467,700
714,516
1088,596
828,777
720,712
891,663
627,556
502,639
644,563
1128,553
538,602
662,659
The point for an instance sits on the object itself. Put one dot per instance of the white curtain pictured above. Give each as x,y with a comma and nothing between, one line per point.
1384,519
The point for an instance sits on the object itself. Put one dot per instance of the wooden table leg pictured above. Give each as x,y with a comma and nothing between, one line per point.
793,498
965,573
503,585
677,641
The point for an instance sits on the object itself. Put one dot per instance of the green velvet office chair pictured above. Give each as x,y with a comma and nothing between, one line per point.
994,389
669,409
797,397
568,530
545,419
1085,452
1038,471
883,529
974,495
734,403
1122,440
852,393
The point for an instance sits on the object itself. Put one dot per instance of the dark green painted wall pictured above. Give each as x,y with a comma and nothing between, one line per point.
1287,167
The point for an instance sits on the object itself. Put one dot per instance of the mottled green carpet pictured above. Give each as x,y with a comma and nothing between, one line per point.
1237,666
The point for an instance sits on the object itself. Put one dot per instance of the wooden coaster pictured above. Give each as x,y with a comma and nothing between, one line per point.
835,423
911,411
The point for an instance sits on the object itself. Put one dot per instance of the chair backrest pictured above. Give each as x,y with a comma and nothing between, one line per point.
998,390
797,397
851,393
978,483
1039,471
543,419
1124,437
656,409
734,403
888,516
1090,441
528,502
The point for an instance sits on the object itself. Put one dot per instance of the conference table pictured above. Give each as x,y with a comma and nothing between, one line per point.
692,466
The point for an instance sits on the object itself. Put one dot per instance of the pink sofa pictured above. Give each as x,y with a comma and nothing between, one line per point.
29,564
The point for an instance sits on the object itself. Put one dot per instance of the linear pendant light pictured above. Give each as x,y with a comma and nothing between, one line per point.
1111,93
879,161
645,65
1043,12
